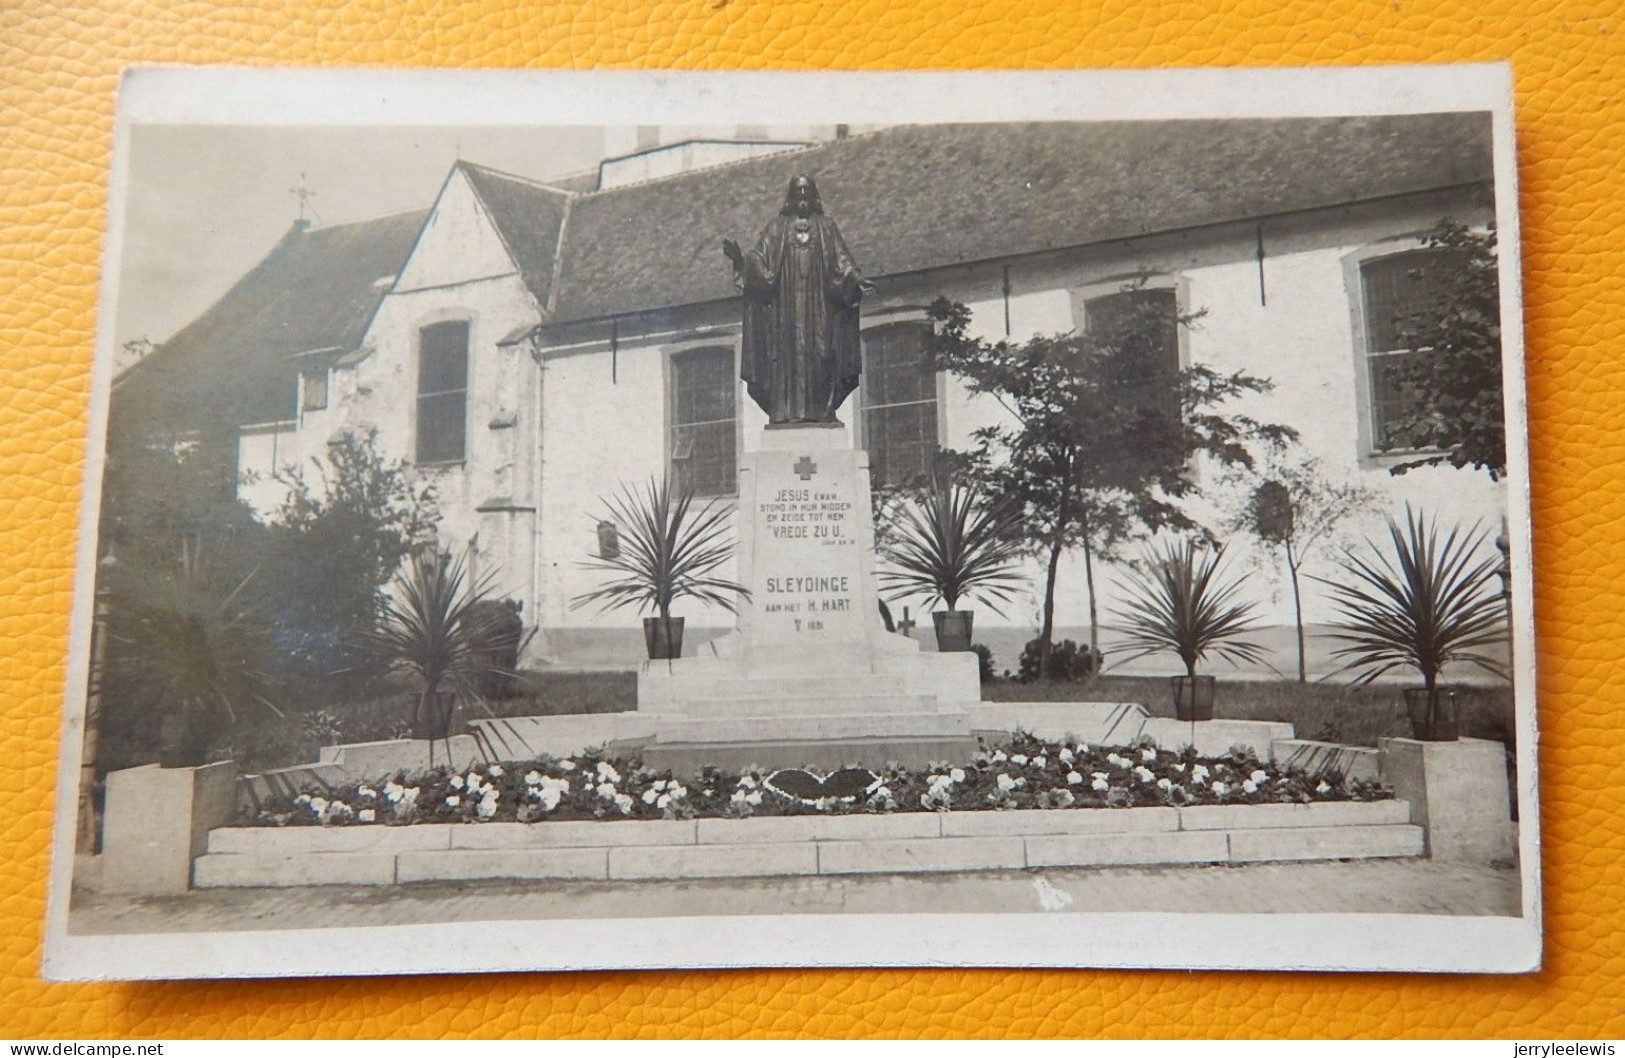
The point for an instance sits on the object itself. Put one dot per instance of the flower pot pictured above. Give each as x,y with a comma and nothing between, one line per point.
664,638
953,630
1433,713
1193,697
431,715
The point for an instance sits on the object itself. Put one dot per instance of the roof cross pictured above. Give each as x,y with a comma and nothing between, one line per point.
304,194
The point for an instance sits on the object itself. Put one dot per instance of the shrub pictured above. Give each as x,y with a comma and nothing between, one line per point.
1068,661
984,661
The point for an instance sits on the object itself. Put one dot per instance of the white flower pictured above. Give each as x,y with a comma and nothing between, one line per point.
607,791
318,805
495,771
1179,767
488,804
649,795
957,775
303,799
456,782
677,789
1073,778
1249,786
339,810
1066,756
1115,761
1100,784
533,778
365,791
409,797
1040,762
567,764
1164,784
1259,776
754,797
366,815
1323,788
1199,772
1005,782
663,800
452,801
998,757
1143,773
881,794
607,772
624,803
1019,758
548,798
1220,789
747,783
1148,754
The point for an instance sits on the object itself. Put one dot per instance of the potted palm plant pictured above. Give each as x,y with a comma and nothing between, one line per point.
949,545
1431,602
435,627
1181,603
666,549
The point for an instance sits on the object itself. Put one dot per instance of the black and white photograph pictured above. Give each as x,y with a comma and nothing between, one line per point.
572,521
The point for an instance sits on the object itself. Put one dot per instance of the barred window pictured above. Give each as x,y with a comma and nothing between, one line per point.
1395,289
899,400
703,444
442,428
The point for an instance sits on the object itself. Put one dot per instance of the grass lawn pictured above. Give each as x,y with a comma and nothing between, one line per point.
1331,712
295,738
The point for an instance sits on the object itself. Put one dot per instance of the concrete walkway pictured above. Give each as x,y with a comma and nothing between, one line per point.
1371,886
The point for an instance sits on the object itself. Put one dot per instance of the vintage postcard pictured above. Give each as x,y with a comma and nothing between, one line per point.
564,521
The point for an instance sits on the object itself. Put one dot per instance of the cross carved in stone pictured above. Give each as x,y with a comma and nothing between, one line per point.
806,468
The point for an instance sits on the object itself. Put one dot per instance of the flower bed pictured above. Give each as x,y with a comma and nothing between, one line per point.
1024,773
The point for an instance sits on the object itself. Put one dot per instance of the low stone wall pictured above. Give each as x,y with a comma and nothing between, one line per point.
806,845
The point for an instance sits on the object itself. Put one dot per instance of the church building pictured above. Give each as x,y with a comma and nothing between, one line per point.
529,347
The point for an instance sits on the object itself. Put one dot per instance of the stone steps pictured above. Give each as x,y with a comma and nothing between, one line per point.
704,689
811,705
820,721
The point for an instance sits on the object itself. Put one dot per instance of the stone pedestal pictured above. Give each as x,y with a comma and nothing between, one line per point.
1458,792
810,675
157,820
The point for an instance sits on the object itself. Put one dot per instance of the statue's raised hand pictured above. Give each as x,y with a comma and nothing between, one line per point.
731,249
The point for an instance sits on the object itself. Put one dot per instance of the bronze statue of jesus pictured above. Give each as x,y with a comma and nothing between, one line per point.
801,353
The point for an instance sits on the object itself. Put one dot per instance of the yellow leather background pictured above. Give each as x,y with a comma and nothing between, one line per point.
59,66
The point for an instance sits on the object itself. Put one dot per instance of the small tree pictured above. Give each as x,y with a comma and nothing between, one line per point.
1454,381
1103,435
1294,509
347,523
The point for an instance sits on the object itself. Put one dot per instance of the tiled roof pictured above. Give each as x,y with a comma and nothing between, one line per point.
529,217
907,198
316,290
910,198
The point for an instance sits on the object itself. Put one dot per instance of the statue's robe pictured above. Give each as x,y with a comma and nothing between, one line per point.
801,354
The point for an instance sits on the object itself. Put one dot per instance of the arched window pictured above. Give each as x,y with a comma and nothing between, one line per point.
442,427
703,444
899,402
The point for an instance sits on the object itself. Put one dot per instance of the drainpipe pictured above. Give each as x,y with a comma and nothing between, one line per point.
537,450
